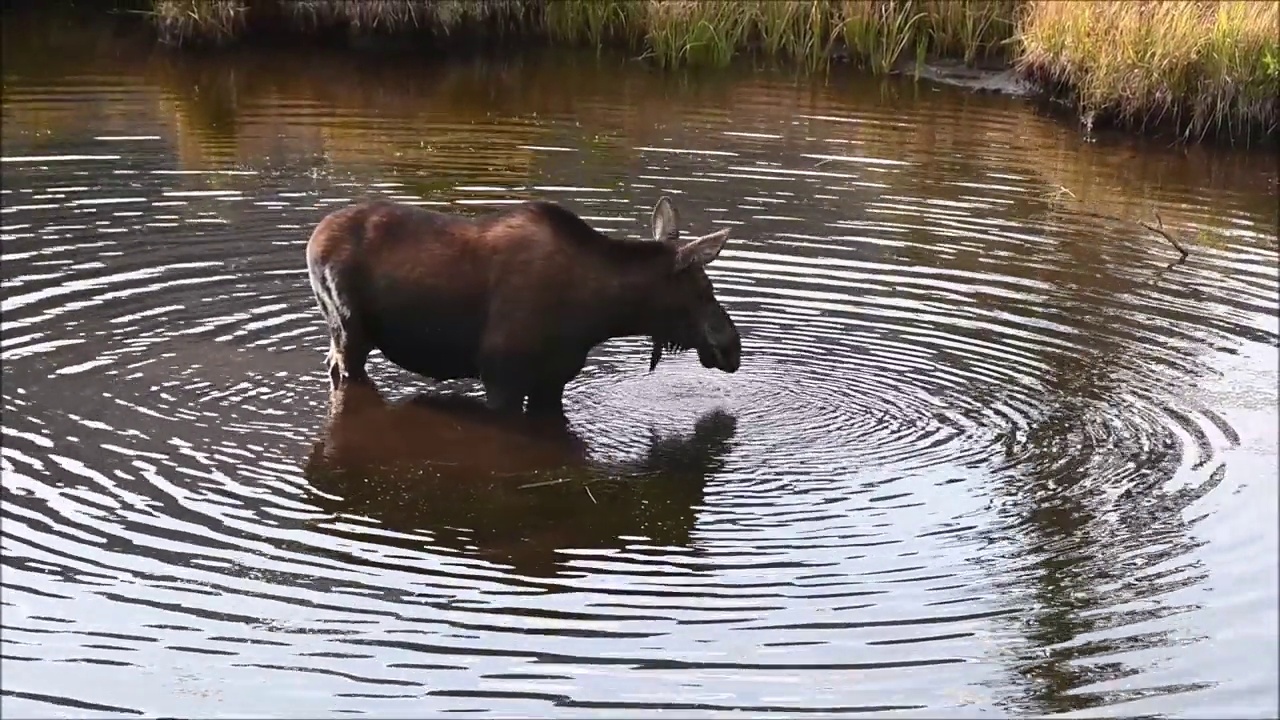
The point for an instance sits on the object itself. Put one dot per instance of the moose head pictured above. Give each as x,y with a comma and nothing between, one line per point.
690,316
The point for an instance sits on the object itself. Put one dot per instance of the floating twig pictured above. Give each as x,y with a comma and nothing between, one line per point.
559,481
593,497
1054,197
1159,230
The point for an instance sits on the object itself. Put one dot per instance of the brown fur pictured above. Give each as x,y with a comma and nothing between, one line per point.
517,298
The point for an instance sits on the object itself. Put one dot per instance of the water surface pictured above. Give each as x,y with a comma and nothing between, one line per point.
992,450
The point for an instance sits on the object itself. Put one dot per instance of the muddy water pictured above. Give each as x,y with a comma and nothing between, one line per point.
992,449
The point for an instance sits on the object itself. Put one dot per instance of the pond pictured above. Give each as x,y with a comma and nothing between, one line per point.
993,447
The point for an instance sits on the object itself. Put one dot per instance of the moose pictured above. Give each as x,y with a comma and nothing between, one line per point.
517,298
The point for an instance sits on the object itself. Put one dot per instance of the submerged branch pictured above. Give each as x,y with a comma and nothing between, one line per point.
1159,230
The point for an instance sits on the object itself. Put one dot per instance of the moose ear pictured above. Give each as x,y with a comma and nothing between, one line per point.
701,250
666,222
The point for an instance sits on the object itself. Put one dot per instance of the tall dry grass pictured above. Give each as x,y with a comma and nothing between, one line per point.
207,21
672,32
1204,67
873,33
389,17
596,22
971,30
217,22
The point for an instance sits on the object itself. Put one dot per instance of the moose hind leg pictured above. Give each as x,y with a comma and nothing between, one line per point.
331,364
346,359
348,353
349,346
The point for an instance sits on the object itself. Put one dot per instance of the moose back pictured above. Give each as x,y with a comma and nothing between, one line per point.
516,298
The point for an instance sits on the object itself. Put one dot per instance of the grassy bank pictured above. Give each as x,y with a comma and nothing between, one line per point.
1200,68
1206,68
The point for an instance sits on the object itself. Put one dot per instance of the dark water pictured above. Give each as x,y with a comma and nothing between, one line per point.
990,451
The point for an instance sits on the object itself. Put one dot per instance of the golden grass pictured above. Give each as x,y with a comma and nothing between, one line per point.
1202,67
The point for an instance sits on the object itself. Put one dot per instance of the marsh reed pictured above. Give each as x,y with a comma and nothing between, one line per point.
672,32
208,21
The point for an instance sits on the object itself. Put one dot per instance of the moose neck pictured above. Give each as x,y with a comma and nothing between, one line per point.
633,305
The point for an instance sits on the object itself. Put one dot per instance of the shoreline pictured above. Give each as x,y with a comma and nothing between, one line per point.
1189,71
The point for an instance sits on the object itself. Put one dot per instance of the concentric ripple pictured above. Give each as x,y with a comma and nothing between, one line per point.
987,450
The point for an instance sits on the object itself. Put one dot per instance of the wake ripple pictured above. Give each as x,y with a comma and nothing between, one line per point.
964,422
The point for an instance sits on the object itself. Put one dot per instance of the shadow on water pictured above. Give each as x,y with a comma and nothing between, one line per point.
1088,497
1092,536
514,489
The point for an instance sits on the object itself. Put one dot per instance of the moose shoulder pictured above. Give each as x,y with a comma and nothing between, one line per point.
516,298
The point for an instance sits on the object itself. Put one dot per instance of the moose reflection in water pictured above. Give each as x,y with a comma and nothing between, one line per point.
512,488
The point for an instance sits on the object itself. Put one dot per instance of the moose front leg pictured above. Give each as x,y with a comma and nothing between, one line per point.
546,394
506,381
515,368
547,399
502,397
